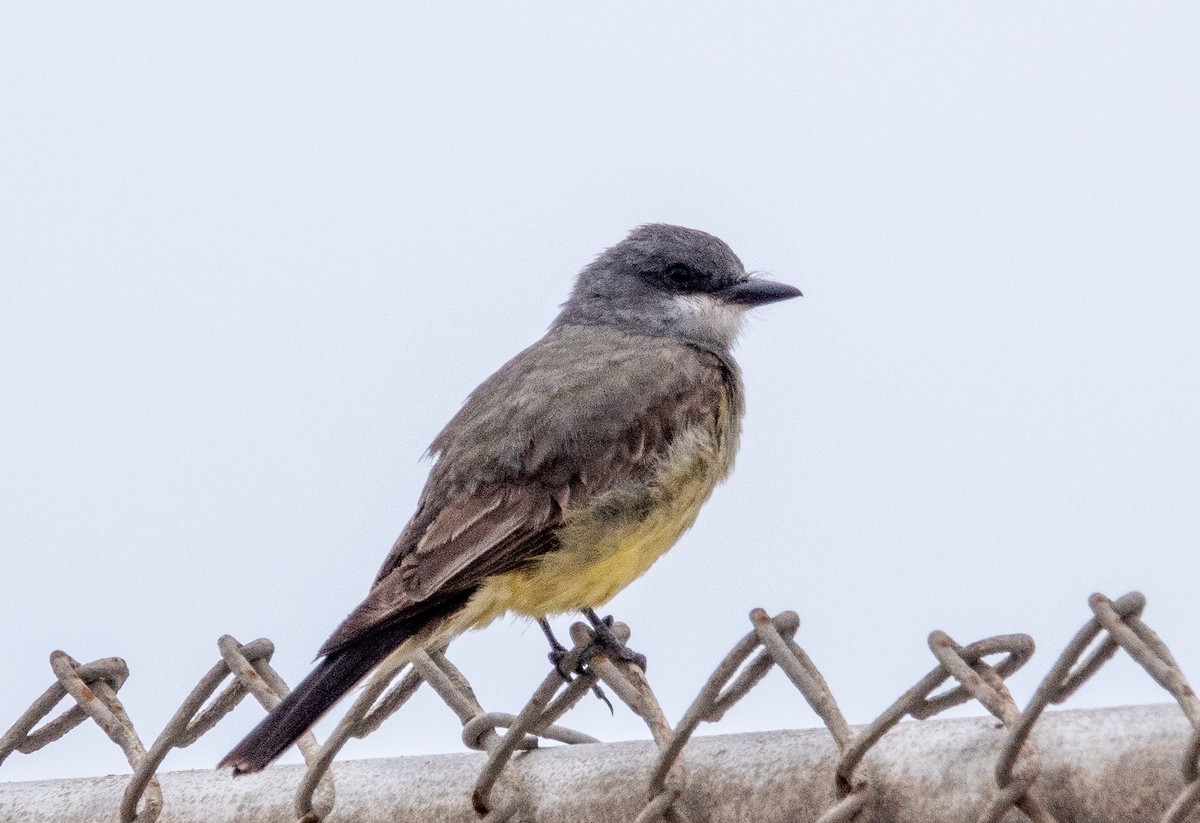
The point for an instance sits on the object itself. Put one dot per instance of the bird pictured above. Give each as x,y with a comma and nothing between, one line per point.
565,475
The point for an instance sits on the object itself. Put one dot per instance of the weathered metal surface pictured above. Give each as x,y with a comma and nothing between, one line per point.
1097,766
881,771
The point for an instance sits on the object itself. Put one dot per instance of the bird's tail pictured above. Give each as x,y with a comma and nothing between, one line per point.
336,674
333,677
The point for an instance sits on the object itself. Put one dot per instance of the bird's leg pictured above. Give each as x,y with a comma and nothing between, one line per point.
608,642
557,652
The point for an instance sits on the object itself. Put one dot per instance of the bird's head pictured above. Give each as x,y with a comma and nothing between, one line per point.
670,281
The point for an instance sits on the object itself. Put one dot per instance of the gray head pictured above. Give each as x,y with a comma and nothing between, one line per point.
669,281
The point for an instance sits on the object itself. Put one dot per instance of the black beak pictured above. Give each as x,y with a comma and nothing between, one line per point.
758,292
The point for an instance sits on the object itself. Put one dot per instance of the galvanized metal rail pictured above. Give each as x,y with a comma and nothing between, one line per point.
1130,764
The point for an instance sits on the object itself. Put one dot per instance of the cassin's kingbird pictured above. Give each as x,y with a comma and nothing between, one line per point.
566,474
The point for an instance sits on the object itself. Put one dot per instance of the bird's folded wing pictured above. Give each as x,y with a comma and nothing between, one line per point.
458,539
470,539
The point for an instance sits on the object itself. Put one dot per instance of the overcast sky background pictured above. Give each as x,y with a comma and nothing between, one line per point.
254,256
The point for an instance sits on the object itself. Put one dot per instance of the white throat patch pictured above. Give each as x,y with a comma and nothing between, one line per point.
704,316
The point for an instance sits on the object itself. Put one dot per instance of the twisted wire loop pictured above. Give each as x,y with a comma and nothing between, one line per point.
377,702
498,794
21,737
629,683
553,698
715,698
805,676
365,715
917,703
987,686
249,666
94,689
1145,646
1122,624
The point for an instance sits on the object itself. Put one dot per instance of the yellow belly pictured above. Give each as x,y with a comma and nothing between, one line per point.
613,541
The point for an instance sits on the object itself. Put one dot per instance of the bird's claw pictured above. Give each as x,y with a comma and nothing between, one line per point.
556,659
557,656
606,641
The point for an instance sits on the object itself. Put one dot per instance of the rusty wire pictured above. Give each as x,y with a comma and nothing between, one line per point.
497,794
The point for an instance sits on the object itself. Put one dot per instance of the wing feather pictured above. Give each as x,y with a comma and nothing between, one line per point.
487,509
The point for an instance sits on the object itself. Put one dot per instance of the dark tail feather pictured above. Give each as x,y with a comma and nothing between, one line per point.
336,674
325,685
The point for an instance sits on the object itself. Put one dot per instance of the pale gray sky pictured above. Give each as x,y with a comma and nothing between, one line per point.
254,256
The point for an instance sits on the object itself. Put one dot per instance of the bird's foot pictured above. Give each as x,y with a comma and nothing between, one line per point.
606,642
558,652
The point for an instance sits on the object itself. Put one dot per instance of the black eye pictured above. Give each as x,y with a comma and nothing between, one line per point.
681,276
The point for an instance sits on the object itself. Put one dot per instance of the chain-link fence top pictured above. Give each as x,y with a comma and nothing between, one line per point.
959,673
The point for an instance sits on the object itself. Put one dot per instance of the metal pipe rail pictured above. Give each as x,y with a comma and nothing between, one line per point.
1025,768
1117,765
